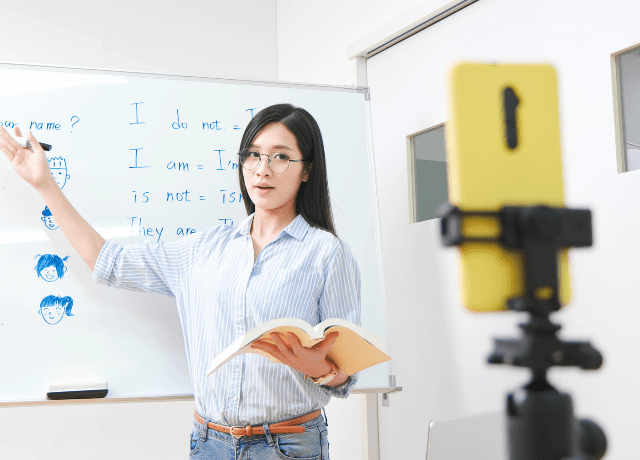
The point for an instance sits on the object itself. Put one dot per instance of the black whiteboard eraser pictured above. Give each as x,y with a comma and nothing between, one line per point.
77,390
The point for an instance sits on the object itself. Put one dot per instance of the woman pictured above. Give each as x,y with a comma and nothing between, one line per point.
283,260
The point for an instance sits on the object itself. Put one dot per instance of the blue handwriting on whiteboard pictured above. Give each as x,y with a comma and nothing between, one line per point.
211,125
58,167
136,166
180,196
39,126
224,221
143,199
145,231
53,308
73,123
138,122
178,125
8,124
251,111
50,267
220,159
48,219
185,231
180,166
233,196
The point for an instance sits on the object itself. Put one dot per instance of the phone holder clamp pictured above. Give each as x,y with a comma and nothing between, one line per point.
541,422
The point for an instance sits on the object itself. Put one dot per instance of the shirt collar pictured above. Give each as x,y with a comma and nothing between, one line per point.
245,226
298,227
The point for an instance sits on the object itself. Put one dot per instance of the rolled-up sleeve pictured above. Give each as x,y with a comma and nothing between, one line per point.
344,390
139,267
341,299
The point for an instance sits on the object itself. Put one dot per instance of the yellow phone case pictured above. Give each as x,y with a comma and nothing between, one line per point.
485,174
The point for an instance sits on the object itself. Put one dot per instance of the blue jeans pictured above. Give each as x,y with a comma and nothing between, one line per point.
313,444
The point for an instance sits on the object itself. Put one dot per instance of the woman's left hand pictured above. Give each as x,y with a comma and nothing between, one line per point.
310,361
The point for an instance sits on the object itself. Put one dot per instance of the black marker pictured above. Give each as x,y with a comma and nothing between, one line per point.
25,143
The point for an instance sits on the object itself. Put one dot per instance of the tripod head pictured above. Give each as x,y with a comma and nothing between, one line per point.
541,423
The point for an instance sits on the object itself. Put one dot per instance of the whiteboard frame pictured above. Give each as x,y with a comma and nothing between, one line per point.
345,89
293,85
150,399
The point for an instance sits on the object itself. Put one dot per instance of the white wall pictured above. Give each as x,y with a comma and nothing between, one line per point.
439,350
313,36
409,92
214,38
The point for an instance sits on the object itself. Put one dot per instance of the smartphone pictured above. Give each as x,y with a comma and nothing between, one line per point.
503,148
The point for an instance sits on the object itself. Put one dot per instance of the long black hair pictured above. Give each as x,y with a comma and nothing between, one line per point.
312,201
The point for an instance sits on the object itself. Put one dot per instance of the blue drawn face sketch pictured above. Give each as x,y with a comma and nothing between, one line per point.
53,308
48,219
49,274
53,314
50,222
58,167
50,267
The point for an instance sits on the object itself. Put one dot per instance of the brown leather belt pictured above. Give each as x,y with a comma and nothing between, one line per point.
287,426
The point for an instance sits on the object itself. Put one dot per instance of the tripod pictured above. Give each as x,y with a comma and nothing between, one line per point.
541,425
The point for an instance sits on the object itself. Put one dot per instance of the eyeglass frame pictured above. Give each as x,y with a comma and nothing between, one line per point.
269,164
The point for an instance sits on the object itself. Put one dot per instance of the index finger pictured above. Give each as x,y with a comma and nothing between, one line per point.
35,145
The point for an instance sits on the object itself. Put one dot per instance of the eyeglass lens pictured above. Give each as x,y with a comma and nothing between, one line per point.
278,162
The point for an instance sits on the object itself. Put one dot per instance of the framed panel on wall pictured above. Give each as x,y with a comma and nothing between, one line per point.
625,67
427,168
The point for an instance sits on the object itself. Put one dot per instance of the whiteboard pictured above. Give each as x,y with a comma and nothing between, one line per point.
147,157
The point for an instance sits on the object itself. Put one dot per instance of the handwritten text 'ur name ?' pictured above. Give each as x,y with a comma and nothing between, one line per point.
41,125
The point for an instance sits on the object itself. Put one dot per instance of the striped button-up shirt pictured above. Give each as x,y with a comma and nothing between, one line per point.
222,293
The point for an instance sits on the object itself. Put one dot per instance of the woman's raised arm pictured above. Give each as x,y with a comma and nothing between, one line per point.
33,167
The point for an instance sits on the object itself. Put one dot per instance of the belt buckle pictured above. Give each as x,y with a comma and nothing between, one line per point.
237,436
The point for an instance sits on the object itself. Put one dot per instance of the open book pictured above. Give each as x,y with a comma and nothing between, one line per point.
354,350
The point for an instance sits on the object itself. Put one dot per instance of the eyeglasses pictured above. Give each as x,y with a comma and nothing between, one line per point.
278,162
